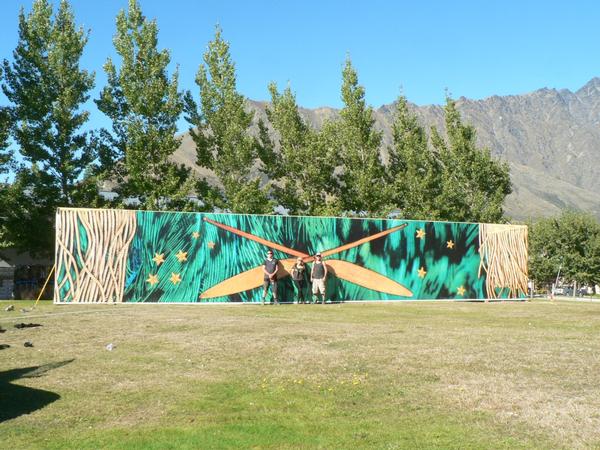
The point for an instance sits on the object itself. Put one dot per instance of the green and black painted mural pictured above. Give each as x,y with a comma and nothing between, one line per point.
142,256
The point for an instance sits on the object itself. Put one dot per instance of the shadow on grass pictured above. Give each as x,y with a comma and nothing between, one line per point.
17,400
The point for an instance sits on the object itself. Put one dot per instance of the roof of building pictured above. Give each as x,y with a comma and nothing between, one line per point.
10,257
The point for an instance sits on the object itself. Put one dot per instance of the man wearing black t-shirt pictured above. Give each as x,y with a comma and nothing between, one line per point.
270,267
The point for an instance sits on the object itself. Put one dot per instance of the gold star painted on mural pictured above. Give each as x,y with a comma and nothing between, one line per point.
422,272
159,258
420,233
175,278
450,244
152,279
195,235
461,291
211,245
181,256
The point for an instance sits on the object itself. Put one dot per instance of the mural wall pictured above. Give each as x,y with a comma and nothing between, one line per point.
143,256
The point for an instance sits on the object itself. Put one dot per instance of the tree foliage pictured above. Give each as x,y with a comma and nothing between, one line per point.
220,130
46,89
5,123
144,105
362,183
337,169
5,160
570,242
413,171
473,183
304,166
5,153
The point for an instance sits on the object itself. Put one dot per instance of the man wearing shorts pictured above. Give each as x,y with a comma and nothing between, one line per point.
318,276
270,266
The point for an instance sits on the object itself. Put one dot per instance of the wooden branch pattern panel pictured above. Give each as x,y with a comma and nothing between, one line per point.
503,250
91,254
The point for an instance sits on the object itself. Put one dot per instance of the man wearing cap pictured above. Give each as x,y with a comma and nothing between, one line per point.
318,275
270,267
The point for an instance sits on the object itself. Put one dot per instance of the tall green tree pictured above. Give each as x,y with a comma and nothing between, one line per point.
46,88
413,170
571,243
304,165
363,186
5,122
5,152
474,184
144,104
5,160
221,131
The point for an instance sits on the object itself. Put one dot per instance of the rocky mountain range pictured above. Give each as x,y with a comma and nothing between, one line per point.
551,139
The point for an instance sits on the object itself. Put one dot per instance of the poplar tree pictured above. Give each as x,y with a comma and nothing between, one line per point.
5,159
413,170
46,89
363,186
474,184
144,104
303,168
5,152
220,129
5,121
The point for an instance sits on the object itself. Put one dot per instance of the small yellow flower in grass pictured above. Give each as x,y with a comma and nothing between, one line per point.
342,382
330,389
300,381
356,382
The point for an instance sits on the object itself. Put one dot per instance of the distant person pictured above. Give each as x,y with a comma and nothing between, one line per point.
270,267
299,278
318,276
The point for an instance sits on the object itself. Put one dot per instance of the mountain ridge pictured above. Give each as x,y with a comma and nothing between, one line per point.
550,138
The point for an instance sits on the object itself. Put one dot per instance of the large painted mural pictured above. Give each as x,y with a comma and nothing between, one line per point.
160,257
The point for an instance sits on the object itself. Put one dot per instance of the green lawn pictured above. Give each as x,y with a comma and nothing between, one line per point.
386,376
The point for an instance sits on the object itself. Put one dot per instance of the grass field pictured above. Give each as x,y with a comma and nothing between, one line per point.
385,376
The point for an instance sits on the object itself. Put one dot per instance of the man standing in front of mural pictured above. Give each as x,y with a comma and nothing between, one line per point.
270,267
318,276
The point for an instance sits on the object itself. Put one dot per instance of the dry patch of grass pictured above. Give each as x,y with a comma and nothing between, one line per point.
429,375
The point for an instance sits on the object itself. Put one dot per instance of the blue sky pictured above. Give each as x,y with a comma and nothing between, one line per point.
473,48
